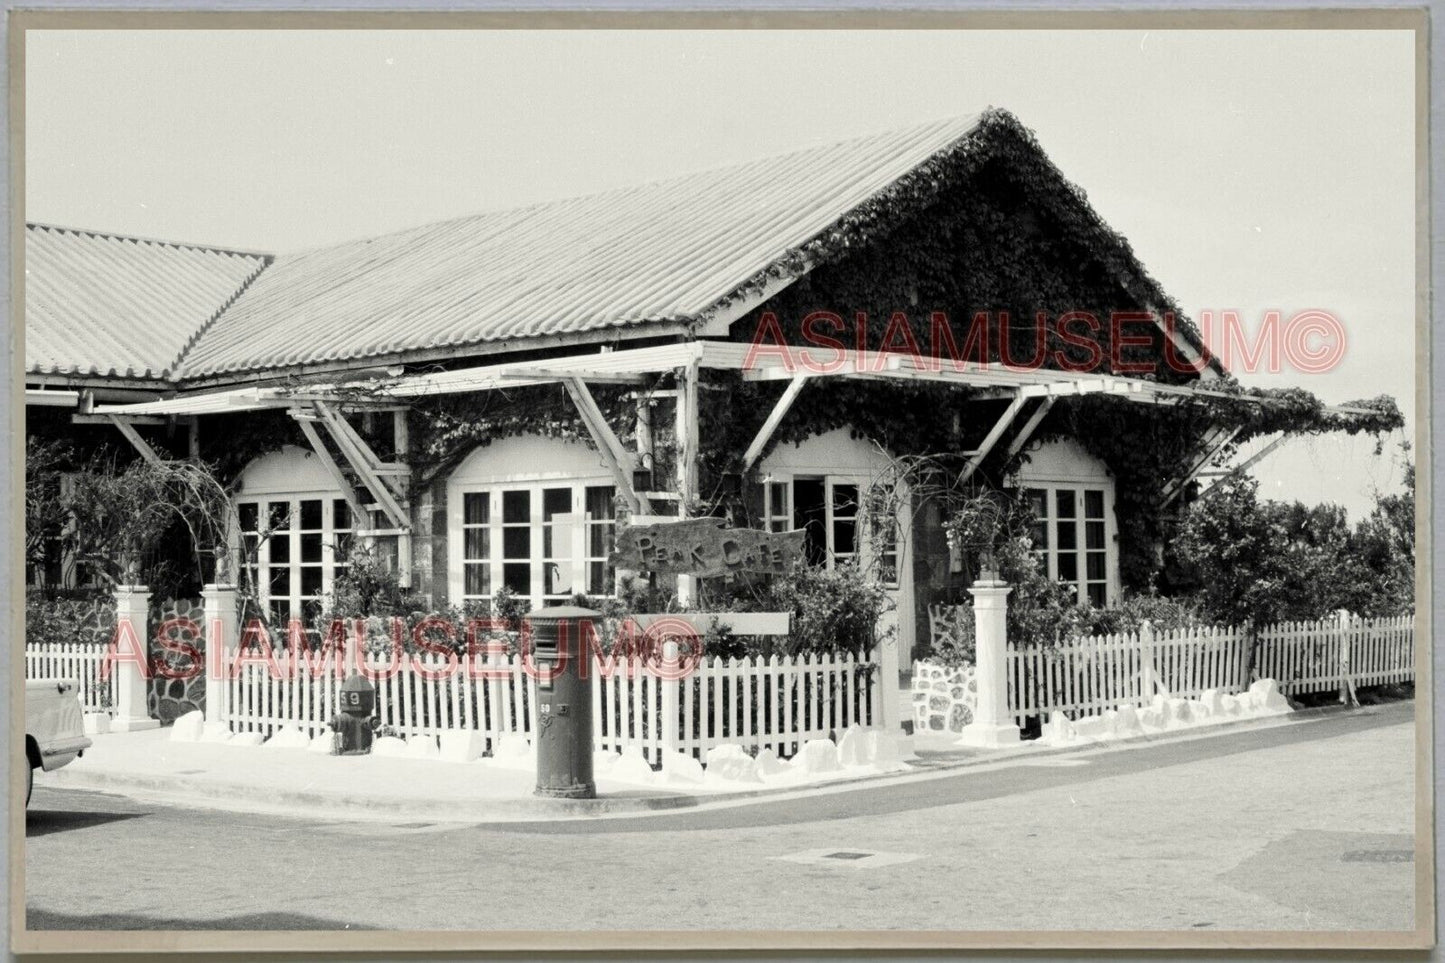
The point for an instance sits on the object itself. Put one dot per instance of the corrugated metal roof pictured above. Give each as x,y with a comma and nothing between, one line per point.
107,305
665,251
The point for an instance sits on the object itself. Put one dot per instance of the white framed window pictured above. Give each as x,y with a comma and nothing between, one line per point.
545,541
292,548
827,508
1071,536
533,514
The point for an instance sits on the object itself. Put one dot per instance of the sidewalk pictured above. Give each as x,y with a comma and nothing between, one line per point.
148,765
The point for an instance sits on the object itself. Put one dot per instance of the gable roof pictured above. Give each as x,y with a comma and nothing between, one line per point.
666,251
112,306
659,258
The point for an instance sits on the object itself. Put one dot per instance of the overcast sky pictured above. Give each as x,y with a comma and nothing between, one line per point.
1249,170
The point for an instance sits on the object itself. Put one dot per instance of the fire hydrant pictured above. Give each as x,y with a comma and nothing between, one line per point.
352,727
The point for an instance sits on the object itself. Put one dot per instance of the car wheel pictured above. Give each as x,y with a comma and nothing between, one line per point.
29,784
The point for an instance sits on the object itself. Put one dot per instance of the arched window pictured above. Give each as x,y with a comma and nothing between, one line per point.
295,532
1075,532
533,514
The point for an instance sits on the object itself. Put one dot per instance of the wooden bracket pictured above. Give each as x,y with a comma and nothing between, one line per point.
618,462
994,434
775,417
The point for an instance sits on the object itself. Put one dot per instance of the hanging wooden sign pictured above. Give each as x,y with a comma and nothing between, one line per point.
704,547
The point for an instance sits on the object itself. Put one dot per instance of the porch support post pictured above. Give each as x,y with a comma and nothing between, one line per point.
132,615
605,439
992,724
775,417
139,443
222,635
1027,431
995,433
687,449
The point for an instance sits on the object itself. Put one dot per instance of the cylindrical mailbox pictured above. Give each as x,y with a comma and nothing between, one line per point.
564,702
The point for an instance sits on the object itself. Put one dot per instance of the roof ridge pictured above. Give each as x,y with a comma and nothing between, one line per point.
974,118
139,239
171,371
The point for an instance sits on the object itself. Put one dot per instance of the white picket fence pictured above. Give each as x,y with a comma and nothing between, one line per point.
53,661
780,702
1090,675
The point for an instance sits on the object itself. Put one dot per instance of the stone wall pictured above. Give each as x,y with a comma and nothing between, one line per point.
944,697
169,699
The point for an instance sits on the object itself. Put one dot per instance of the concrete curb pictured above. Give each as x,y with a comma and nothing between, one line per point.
245,797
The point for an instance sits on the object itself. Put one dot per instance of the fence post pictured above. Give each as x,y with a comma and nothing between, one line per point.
222,634
992,723
1347,683
667,724
132,614
1150,679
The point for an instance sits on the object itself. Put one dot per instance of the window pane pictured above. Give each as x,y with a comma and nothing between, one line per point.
1097,567
311,514
311,580
1069,566
845,500
1094,533
478,544
476,508
888,567
517,576
778,494
311,547
1068,534
340,514
248,516
555,501
478,578
516,543
843,536
516,506
601,502
1064,502
341,547
558,578
280,545
280,611
1098,595
1038,500
310,611
1093,503
1041,535
600,540
280,580
279,515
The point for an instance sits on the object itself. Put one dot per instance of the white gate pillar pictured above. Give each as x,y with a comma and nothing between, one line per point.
219,604
992,724
131,644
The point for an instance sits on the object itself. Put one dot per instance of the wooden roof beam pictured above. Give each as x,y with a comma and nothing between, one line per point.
775,418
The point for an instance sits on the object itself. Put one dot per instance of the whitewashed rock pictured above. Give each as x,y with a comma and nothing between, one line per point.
852,747
461,745
1092,727
1179,711
245,739
768,763
514,752
1230,705
288,737
216,732
1059,729
322,744
188,728
1124,721
1265,697
631,766
889,750
732,764
389,746
681,767
816,757
1213,701
603,760
422,747
96,723
1198,711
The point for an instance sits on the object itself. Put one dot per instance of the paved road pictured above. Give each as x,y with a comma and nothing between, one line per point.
1306,826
